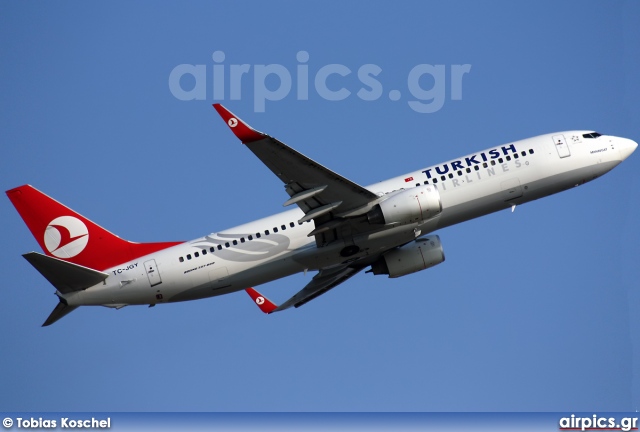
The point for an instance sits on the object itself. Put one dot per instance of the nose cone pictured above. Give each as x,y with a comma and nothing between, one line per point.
626,147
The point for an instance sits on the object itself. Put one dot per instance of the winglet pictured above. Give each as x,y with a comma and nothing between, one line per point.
240,129
263,303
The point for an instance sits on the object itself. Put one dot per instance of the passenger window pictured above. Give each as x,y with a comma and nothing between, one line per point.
435,180
258,235
219,247
204,251
284,227
468,170
450,175
459,173
508,158
530,151
500,160
275,229
515,156
493,162
266,232
291,224
523,153
250,237
235,242
484,165
227,244
188,256
443,178
181,259
242,240
476,167
196,254
212,249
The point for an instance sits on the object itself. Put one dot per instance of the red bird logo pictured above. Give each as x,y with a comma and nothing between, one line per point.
66,237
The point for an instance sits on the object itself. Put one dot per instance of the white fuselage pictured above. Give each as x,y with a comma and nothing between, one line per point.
278,246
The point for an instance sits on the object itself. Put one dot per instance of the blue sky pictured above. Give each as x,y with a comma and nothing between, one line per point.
532,311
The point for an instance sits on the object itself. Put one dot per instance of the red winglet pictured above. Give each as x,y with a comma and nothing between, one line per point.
243,131
263,303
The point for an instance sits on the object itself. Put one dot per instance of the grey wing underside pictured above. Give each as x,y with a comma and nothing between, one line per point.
300,173
323,195
322,282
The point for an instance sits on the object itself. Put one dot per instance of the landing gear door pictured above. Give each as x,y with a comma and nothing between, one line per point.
152,272
561,146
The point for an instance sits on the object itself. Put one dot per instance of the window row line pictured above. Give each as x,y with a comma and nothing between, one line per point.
226,245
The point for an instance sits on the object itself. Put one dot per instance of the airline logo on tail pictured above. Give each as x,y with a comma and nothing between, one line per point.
66,236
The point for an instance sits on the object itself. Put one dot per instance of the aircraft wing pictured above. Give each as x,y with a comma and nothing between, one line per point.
325,280
323,195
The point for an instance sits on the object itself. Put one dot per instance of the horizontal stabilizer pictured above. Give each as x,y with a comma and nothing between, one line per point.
60,311
63,275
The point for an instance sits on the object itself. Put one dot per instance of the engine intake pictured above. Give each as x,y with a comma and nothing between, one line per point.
410,258
408,206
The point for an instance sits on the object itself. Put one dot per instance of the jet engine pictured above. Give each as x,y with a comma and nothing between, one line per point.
407,206
418,255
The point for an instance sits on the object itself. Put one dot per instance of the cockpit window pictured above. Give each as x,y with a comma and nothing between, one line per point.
591,135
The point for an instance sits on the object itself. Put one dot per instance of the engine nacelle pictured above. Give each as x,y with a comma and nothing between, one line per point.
408,206
410,258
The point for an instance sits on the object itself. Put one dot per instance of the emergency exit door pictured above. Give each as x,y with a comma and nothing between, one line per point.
561,146
152,272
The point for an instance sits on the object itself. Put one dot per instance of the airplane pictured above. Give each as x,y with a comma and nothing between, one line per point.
337,227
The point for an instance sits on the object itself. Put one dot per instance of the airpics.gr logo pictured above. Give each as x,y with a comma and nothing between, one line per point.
66,237
308,79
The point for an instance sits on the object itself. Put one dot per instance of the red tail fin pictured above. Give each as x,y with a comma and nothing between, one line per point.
65,234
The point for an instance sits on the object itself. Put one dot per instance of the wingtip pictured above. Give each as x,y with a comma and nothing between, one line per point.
240,129
265,305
